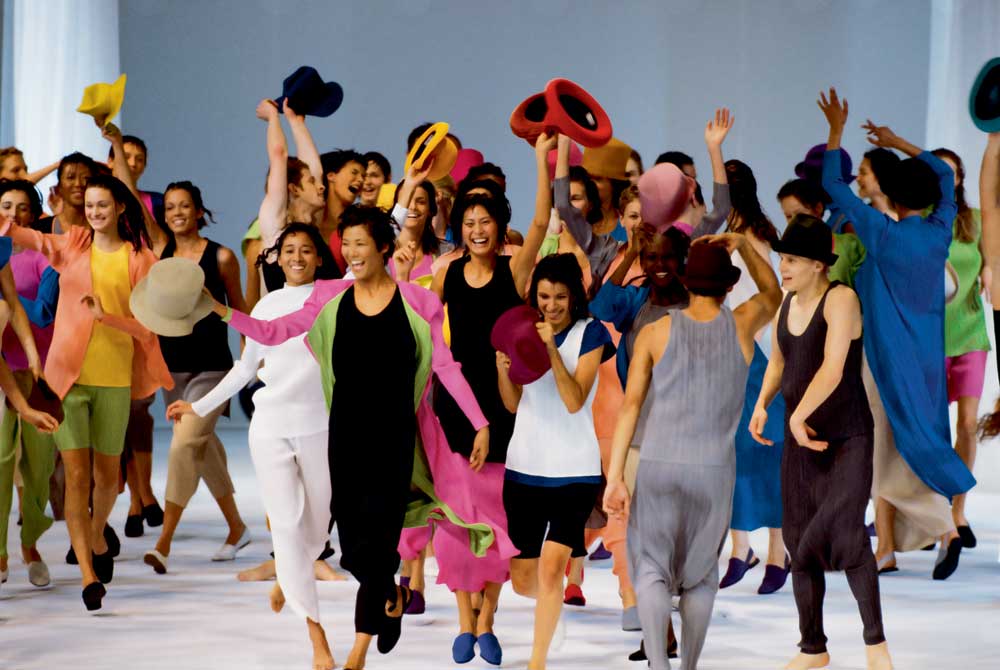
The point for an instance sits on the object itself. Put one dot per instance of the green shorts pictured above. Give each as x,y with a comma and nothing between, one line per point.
95,416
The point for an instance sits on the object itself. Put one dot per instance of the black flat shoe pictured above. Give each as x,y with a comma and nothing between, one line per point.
104,567
640,655
71,556
947,559
114,544
392,628
133,526
92,596
152,515
967,536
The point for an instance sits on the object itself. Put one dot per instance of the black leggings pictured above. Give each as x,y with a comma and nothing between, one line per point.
824,495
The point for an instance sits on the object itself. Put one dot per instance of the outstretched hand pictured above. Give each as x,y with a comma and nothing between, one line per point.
731,241
290,113
719,127
110,132
880,136
833,108
267,109
544,144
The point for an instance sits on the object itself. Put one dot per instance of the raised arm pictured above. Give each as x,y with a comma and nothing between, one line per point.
715,135
275,331
523,261
640,373
38,175
755,313
843,317
19,320
274,206
989,199
49,245
305,147
120,169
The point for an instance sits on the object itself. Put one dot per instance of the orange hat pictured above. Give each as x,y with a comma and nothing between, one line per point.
434,142
608,161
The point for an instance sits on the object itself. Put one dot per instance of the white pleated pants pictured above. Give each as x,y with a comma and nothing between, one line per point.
294,478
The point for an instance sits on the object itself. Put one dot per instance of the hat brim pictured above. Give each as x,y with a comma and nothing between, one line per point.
568,100
146,314
827,258
322,108
433,143
527,121
989,74
713,283
521,370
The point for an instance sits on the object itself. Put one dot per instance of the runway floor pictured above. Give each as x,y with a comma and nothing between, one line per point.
199,616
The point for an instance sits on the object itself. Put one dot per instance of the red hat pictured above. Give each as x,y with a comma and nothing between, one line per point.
514,334
466,160
664,192
710,268
563,107
43,399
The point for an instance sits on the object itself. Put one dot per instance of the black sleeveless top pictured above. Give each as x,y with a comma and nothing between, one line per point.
471,315
846,412
206,349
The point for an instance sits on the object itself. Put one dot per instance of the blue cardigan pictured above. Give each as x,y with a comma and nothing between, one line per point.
619,305
901,287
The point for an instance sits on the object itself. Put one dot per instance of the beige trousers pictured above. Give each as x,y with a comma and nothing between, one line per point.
196,454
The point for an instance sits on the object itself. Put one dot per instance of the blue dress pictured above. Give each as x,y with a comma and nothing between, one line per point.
757,496
901,287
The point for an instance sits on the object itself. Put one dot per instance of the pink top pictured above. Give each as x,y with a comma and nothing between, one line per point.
27,267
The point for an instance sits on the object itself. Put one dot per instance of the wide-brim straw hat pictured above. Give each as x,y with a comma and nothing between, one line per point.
170,299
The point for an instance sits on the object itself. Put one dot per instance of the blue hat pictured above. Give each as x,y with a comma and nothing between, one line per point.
984,100
309,94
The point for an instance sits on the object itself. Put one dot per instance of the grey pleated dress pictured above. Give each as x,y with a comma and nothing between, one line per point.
687,470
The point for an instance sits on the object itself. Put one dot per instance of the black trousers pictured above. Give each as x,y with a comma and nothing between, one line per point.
824,496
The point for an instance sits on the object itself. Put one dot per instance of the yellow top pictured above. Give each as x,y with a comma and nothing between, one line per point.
108,361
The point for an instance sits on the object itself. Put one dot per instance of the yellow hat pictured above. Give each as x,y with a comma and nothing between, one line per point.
608,161
434,142
386,196
103,101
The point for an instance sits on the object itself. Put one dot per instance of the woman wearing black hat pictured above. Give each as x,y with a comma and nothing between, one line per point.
901,286
827,464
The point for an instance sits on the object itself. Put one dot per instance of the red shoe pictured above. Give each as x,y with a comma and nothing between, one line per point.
574,596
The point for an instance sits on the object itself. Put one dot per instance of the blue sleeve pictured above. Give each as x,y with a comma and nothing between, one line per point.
596,335
869,224
42,310
945,209
6,249
617,305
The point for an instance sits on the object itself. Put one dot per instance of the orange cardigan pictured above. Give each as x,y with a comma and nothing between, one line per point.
69,255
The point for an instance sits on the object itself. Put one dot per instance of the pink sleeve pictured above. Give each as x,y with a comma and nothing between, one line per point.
448,372
285,327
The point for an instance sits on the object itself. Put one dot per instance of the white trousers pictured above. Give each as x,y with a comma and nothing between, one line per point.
294,477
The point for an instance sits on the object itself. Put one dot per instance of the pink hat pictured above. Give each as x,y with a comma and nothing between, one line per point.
514,334
664,192
467,159
683,227
575,158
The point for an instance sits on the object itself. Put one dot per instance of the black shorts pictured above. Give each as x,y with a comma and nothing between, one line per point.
561,510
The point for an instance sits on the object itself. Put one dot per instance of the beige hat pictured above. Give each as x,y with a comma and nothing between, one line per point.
169,300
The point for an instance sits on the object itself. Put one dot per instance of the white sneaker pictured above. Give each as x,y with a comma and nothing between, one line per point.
38,573
156,560
227,552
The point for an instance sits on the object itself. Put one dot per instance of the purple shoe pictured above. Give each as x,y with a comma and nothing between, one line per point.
737,569
417,604
601,553
774,577
870,529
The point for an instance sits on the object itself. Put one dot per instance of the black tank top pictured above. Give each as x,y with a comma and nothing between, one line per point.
471,315
846,412
206,349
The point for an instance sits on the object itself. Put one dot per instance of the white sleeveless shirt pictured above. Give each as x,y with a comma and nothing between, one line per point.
549,442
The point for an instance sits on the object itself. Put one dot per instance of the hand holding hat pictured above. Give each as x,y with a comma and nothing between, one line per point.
515,334
563,107
309,94
664,193
435,146
171,298
103,101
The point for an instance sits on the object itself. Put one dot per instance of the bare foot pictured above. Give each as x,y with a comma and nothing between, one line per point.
262,573
878,657
359,652
277,598
325,573
322,657
806,661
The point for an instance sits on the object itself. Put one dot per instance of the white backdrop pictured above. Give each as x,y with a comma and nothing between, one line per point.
60,47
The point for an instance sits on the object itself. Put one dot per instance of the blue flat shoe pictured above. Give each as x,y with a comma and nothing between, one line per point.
737,569
463,649
489,648
774,577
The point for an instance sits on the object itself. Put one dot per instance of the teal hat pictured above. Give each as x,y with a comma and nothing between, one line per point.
984,100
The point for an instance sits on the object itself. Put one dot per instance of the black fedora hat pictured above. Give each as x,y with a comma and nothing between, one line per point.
309,94
808,237
984,100
710,268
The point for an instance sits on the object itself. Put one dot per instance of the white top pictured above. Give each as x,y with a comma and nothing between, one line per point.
549,442
745,289
291,404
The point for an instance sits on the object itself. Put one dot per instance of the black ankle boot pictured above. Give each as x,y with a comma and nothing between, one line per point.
92,596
